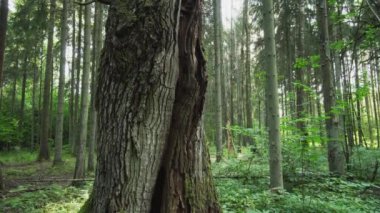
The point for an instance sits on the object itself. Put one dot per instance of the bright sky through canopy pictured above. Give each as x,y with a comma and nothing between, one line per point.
230,9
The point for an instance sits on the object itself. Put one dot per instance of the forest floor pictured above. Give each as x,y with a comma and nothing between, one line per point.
241,182
32,186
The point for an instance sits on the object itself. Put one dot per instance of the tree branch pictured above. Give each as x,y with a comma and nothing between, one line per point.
107,2
373,10
85,3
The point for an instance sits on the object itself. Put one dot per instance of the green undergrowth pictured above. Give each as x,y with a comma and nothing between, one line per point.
243,187
52,198
241,182
17,156
28,194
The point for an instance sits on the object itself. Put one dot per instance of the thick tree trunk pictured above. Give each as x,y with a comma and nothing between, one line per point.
335,153
45,117
83,117
151,87
3,32
273,118
61,86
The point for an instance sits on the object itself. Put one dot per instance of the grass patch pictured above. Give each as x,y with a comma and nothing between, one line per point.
18,156
53,198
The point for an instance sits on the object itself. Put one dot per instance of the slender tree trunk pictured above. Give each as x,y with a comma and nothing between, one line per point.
33,121
349,124
97,45
337,36
218,70
61,86
51,108
23,89
300,76
3,33
45,117
248,88
77,82
13,97
232,74
223,82
273,118
377,70
163,168
374,103
1,98
72,118
368,108
335,153
240,92
14,88
358,104
83,117
1,177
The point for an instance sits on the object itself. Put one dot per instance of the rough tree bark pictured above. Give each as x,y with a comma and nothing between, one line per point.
150,96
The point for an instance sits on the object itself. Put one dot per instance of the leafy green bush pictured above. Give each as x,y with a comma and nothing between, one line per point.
9,132
363,163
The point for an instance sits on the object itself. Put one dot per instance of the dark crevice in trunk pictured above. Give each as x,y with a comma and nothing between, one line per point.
158,190
178,187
